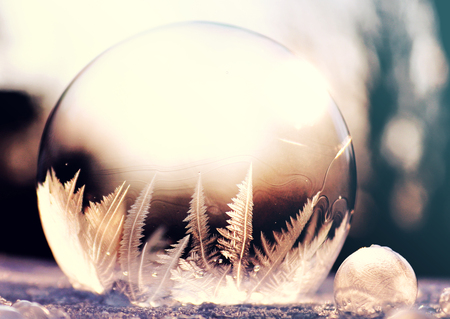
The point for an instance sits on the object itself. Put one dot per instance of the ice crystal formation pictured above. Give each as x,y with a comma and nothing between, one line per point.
100,249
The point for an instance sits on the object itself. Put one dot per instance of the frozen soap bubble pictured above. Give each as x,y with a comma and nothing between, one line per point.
24,309
32,310
374,280
197,162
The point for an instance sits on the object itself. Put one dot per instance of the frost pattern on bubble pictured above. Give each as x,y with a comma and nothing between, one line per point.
193,270
373,280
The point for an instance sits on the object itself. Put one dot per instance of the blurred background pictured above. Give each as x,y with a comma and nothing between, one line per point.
386,63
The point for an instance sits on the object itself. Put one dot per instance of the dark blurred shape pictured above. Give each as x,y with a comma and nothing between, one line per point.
17,111
20,231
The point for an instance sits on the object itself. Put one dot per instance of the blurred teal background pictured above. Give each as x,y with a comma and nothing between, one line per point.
426,245
387,66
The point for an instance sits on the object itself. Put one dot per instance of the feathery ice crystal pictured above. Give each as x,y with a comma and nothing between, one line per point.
197,162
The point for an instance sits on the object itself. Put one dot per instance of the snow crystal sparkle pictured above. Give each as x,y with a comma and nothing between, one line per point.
444,301
197,162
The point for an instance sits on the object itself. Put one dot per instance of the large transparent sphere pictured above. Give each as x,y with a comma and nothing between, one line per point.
197,162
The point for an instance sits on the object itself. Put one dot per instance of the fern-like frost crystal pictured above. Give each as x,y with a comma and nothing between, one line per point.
85,245
197,219
237,236
130,256
109,248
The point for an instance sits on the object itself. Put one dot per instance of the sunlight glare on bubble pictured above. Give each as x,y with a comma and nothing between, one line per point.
301,99
310,100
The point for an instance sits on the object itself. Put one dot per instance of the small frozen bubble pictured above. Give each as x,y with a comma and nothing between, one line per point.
31,309
7,312
374,280
23,309
444,301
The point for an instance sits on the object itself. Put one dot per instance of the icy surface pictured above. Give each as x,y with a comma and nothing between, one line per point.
372,280
43,283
